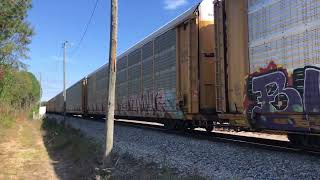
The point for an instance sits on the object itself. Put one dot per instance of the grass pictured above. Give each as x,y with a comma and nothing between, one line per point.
6,120
22,152
59,137
86,157
9,115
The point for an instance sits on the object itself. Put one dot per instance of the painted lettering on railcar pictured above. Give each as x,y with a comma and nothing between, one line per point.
273,94
160,104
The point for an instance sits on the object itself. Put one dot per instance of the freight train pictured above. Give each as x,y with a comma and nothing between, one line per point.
252,65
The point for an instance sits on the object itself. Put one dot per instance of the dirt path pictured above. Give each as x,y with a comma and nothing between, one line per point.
23,154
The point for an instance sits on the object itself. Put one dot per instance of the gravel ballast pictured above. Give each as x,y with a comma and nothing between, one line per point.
213,160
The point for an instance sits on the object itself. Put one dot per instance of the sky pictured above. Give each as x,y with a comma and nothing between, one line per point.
56,21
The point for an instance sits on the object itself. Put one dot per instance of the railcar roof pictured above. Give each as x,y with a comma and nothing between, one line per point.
179,19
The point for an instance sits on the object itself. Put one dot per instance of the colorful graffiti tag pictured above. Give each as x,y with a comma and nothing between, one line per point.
271,91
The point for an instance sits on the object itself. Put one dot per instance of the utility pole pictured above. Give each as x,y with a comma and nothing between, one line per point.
64,78
112,82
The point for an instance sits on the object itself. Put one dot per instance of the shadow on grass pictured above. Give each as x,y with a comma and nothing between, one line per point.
76,157
73,156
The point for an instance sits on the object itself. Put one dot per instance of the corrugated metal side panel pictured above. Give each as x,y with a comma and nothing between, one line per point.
91,85
121,86
284,52
285,32
147,67
134,82
134,73
167,27
165,61
136,95
49,106
102,90
74,98
165,67
59,103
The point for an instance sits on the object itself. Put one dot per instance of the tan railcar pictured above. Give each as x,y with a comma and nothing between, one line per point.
76,102
57,106
170,74
49,106
268,66
232,65
95,94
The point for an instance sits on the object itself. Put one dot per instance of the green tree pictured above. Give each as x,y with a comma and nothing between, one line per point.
21,90
15,32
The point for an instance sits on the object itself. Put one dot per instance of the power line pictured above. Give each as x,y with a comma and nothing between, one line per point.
86,29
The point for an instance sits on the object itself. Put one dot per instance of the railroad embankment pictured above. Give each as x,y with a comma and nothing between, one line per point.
209,159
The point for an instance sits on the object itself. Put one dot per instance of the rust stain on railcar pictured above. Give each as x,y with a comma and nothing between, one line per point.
237,54
188,66
207,65
232,55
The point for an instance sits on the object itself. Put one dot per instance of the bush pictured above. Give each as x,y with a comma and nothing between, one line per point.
6,118
19,92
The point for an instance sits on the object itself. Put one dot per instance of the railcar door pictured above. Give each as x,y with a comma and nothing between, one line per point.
187,61
206,57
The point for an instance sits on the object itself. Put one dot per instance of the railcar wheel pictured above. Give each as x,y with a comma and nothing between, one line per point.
181,125
318,141
311,141
293,138
315,140
191,127
170,124
209,128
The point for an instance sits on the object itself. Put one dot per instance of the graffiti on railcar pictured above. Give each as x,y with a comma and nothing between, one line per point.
152,103
272,91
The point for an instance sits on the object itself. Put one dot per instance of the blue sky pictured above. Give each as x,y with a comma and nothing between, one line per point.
55,21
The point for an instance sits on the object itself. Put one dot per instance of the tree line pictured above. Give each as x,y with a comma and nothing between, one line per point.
19,89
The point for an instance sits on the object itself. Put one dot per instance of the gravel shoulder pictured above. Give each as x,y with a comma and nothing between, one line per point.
213,160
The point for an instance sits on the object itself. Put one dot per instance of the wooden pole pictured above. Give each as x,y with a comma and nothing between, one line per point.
112,82
64,79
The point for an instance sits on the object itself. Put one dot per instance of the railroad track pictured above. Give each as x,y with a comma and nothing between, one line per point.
270,144
255,142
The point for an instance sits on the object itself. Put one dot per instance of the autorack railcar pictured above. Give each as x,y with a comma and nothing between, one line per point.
268,62
166,77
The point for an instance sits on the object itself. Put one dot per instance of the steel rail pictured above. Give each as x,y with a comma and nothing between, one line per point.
255,142
270,144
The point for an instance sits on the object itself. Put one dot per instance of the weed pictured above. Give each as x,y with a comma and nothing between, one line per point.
72,145
6,120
